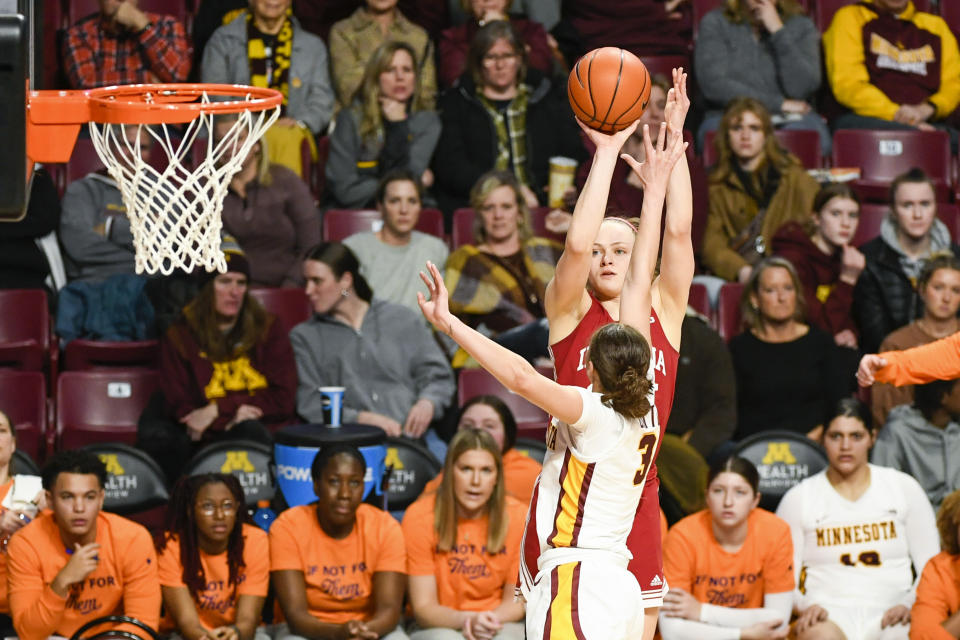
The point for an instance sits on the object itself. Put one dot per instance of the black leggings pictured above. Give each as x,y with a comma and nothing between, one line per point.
166,440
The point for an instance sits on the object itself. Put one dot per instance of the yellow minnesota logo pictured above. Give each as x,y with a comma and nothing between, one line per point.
393,458
779,452
237,461
112,463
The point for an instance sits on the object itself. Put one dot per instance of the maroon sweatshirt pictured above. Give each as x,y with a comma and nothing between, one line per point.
828,299
265,377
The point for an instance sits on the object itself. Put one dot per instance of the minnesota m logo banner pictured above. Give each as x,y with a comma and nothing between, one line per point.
778,452
237,461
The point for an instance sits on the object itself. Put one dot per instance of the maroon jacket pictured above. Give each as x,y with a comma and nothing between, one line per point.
265,377
828,299
455,43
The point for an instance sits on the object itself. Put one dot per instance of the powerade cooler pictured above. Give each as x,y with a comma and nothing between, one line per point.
296,446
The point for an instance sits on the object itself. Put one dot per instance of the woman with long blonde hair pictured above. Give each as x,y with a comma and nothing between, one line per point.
386,126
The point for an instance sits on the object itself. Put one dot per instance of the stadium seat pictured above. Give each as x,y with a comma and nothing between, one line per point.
950,12
803,143
699,299
25,337
883,155
136,487
247,459
23,397
531,420
410,466
24,464
664,65
536,449
728,310
463,226
340,223
289,304
783,458
101,406
81,355
868,227
949,215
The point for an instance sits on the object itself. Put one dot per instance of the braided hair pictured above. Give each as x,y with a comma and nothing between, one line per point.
181,524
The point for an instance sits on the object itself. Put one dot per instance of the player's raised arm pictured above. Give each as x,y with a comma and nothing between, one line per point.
677,262
514,372
655,172
566,291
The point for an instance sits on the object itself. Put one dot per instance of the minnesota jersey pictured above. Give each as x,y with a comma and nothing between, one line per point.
590,486
862,550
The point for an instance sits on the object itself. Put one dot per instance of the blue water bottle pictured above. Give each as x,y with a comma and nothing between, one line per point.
264,515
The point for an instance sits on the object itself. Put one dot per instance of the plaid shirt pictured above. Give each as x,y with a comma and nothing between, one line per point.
97,57
511,127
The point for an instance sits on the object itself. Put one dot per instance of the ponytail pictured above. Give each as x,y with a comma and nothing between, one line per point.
621,358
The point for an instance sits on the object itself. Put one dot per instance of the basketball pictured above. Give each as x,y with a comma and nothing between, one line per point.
608,89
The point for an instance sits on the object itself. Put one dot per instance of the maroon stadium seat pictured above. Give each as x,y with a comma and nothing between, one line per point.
290,305
82,355
728,310
23,397
25,339
883,155
699,300
531,420
950,11
101,406
868,227
340,223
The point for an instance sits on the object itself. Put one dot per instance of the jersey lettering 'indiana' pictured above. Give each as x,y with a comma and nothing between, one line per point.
659,370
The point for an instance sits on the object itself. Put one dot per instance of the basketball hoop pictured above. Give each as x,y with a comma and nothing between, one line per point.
175,211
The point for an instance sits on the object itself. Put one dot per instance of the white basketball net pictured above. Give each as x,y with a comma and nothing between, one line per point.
175,213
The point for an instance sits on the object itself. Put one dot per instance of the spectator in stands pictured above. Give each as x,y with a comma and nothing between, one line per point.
265,47
209,16
501,115
734,545
781,47
704,410
463,548
755,187
29,254
909,76
546,12
828,266
271,213
497,285
861,585
395,374
22,498
226,373
646,27
455,41
94,228
385,127
923,439
123,45
939,289
936,611
388,256
338,565
785,368
885,298
491,414
354,40
76,563
214,568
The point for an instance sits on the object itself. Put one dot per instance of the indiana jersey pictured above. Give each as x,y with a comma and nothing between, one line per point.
591,484
861,550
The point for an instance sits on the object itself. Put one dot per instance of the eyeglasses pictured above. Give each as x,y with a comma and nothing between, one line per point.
226,508
491,59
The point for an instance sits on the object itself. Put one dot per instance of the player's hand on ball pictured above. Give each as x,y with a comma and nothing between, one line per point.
612,141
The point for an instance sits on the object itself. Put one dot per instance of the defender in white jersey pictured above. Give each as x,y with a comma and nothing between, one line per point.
597,471
860,534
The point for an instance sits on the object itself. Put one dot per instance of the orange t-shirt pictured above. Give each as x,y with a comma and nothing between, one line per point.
124,582
519,475
938,598
338,573
468,578
696,563
216,605
4,603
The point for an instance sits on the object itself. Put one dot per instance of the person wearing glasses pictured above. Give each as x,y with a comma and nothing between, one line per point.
501,114
214,567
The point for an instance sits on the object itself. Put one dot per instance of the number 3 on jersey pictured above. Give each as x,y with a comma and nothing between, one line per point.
648,444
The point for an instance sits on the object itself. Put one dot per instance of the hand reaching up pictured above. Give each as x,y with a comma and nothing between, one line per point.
654,171
436,310
678,102
613,141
